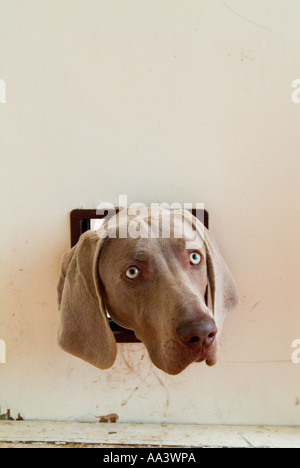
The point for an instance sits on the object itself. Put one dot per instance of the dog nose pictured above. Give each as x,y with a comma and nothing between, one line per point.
197,334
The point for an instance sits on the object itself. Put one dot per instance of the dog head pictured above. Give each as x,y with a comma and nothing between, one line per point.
150,272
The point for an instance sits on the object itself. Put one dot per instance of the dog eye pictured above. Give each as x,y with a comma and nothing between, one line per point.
132,273
195,258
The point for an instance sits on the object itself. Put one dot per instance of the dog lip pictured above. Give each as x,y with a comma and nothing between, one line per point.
209,355
211,361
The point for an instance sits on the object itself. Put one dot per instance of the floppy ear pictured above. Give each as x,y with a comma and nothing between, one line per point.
83,328
224,294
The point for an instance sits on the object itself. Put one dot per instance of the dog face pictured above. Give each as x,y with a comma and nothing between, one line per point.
154,285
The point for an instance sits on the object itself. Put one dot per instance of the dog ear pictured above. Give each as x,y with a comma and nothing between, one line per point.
83,328
224,294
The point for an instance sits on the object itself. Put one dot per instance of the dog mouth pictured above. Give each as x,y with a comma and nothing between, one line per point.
209,361
173,357
194,350
209,355
176,362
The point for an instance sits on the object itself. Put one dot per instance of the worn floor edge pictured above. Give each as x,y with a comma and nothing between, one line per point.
121,434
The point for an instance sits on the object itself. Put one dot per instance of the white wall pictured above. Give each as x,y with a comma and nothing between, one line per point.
162,100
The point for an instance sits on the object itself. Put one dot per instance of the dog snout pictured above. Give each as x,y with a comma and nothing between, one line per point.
197,334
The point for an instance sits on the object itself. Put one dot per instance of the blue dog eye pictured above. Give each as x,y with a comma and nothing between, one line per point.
195,258
132,273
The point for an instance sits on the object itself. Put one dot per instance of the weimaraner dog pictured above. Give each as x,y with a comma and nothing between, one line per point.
152,284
